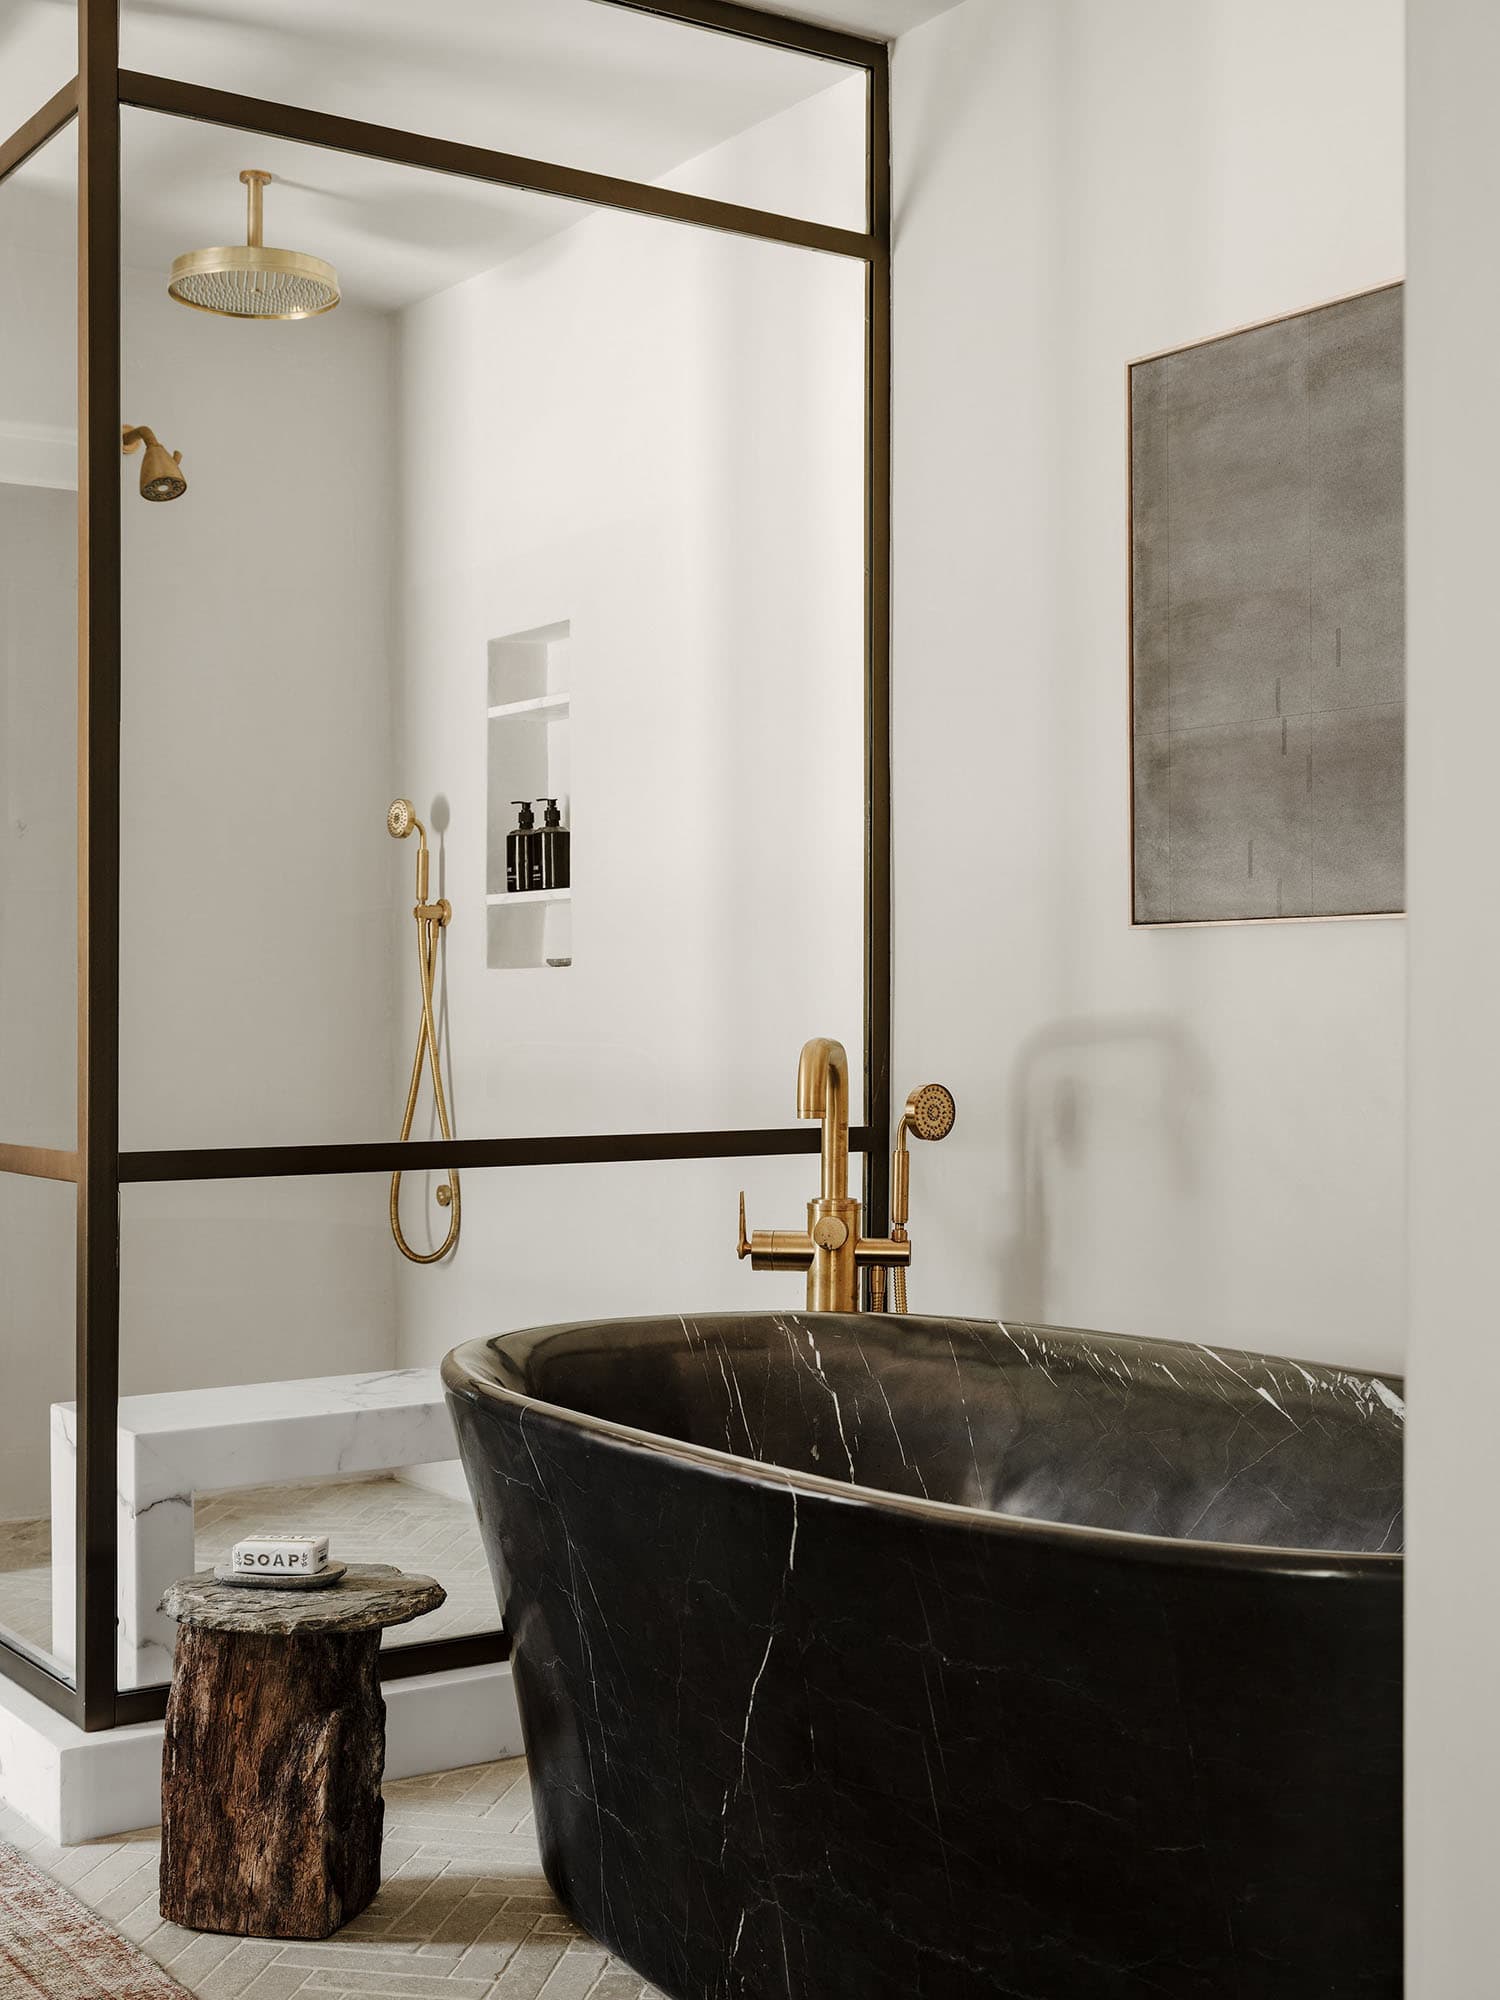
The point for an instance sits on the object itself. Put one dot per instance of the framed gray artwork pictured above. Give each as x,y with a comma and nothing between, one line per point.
1267,613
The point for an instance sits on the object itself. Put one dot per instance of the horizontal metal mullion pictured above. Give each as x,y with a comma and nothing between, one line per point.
134,1705
45,124
58,1694
441,1656
39,1163
384,1156
480,163
753,24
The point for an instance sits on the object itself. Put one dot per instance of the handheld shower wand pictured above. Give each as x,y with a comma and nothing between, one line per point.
432,918
929,1113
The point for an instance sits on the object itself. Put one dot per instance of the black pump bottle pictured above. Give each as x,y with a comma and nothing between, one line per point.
520,848
550,868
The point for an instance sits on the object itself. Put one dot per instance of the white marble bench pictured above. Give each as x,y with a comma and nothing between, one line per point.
210,1440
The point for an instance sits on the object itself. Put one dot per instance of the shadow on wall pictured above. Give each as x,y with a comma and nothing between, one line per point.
1059,1079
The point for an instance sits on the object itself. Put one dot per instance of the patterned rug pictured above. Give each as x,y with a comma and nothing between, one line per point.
52,1948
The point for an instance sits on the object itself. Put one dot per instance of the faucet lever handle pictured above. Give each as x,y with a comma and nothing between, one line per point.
774,1249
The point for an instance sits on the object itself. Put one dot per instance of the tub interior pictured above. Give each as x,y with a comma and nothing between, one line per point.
1052,1424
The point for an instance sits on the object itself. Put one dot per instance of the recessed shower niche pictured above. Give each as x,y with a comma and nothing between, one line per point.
529,761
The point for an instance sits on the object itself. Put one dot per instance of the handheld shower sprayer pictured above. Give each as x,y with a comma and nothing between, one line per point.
401,820
930,1111
929,1114
432,919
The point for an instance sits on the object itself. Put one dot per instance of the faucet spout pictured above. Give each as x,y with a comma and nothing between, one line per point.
823,1092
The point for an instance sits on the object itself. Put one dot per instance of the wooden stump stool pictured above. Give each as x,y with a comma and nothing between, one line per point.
275,1745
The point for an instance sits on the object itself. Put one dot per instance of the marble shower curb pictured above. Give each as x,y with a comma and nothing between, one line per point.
77,1786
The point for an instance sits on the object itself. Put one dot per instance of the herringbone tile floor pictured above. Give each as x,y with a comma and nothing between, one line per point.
464,1913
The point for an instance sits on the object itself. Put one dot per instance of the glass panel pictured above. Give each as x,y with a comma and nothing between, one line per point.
569,81
579,520
38,650
38,55
239,1301
225,1284
37,1369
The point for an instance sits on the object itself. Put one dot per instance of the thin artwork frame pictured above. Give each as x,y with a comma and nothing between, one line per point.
1157,925
95,1165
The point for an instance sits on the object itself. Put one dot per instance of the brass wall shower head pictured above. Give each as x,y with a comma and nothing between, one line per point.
161,470
930,1112
247,280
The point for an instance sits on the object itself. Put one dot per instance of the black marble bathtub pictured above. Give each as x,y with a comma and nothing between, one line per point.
880,1657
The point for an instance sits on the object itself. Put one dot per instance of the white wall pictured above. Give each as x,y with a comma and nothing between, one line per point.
38,344
1453,432
1196,1134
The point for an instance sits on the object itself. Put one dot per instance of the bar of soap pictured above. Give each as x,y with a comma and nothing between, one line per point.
270,1555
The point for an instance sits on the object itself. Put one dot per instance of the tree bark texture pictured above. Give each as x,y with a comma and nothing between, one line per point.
271,1768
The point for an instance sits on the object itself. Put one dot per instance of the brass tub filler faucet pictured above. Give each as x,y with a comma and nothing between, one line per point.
831,1249
432,919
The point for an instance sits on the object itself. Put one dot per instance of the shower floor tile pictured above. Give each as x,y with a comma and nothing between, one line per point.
367,1520
465,1912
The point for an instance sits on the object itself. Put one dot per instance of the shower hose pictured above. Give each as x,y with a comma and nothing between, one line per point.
430,920
888,1289
898,1273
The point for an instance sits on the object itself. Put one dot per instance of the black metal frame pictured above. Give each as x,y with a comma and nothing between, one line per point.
97,1167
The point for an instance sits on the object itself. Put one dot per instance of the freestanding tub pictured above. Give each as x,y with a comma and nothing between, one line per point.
878,1657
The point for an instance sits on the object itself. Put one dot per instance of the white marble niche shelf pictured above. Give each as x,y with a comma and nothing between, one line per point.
529,757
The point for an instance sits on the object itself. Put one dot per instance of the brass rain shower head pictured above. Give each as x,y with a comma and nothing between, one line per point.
248,281
930,1112
161,470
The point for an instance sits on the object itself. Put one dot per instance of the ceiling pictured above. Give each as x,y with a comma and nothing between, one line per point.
570,80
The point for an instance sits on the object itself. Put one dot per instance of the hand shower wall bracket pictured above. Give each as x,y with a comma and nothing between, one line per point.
431,920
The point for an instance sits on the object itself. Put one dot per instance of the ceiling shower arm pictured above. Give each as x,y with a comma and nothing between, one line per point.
255,181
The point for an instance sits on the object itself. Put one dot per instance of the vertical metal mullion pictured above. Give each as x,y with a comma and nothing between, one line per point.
98,1332
878,655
